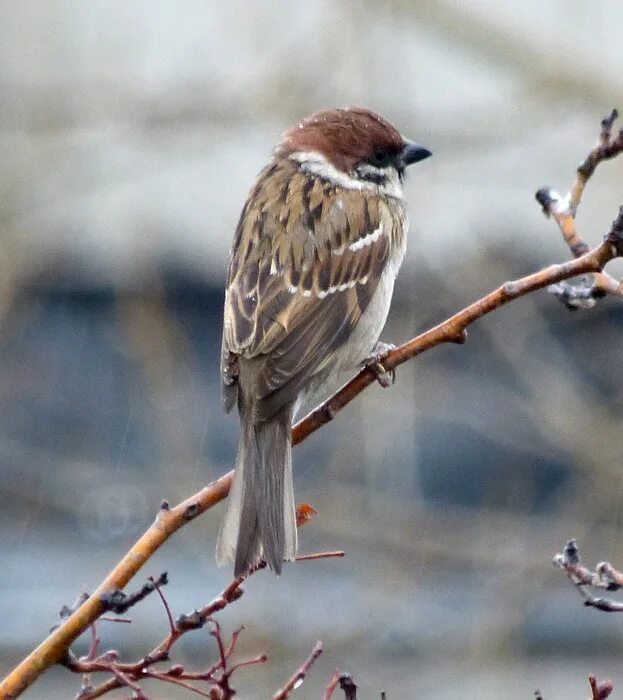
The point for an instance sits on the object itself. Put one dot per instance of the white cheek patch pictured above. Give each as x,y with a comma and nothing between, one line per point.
315,163
371,172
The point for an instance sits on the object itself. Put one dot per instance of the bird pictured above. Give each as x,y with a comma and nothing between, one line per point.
317,248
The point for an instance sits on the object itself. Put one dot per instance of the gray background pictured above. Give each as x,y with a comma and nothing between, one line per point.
130,134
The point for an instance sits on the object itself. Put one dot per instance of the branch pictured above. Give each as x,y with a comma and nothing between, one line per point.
563,210
169,520
346,683
296,680
219,674
605,577
453,330
119,602
600,691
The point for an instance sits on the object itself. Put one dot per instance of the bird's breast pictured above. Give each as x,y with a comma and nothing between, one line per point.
367,331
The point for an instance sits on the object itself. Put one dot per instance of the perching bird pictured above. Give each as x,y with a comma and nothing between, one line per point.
319,243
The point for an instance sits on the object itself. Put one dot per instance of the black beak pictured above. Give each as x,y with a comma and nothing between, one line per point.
412,153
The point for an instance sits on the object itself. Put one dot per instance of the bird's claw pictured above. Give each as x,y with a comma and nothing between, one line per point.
373,362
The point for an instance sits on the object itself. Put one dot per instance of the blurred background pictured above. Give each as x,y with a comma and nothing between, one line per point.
130,134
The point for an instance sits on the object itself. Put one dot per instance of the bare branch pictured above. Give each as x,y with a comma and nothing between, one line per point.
604,577
563,210
296,680
600,691
119,602
453,330
346,683
218,675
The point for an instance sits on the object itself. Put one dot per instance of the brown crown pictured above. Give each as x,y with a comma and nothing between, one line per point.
343,136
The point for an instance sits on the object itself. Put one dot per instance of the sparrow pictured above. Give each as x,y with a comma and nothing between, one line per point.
319,243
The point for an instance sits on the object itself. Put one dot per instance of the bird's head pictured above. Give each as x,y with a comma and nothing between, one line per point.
353,147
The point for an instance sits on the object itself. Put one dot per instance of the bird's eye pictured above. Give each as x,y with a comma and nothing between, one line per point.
381,158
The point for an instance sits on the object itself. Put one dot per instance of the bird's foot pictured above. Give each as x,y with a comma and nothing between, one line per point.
374,362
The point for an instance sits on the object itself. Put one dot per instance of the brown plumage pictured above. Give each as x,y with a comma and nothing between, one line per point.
319,242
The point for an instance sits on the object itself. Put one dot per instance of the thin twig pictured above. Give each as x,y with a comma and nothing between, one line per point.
164,601
259,659
564,209
346,683
216,633
600,691
321,555
605,577
297,678
177,681
101,690
119,602
219,674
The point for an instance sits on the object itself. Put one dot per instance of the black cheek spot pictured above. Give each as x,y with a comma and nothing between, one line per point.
376,178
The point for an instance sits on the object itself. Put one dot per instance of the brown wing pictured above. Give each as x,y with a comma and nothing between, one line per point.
294,298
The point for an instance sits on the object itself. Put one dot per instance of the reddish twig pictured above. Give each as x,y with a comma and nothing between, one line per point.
321,555
296,680
217,675
164,601
177,681
331,686
259,659
600,691
346,683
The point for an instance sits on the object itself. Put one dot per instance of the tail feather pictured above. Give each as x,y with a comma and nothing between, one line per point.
261,521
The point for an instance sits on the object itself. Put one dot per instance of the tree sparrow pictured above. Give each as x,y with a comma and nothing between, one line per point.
319,243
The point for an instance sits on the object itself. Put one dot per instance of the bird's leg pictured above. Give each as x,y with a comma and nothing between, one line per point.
384,377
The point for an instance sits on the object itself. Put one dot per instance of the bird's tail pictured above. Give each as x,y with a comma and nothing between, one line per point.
260,522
